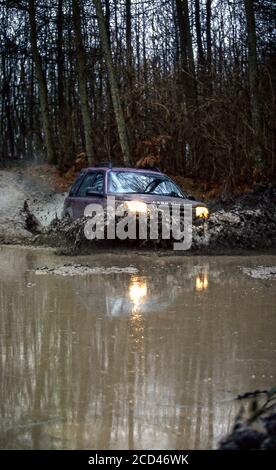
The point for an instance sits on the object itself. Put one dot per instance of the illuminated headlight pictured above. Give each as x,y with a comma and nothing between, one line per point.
136,206
202,212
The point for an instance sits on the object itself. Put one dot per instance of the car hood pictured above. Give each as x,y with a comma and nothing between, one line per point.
157,199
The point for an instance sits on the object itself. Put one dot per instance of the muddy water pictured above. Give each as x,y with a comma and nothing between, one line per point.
140,359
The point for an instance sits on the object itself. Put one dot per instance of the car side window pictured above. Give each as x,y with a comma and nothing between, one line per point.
75,185
98,183
93,181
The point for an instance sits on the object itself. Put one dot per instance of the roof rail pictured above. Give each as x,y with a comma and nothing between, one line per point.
103,164
155,168
148,167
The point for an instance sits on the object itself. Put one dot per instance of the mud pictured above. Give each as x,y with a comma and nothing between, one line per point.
31,214
26,207
261,272
82,270
250,223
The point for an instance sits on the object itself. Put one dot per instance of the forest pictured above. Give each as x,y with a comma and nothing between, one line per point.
137,307
188,84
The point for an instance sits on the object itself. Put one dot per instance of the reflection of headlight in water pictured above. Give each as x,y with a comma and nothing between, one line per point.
137,291
201,282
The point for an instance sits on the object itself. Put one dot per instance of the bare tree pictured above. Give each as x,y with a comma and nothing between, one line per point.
118,110
42,84
253,76
138,80
186,51
82,80
200,50
208,33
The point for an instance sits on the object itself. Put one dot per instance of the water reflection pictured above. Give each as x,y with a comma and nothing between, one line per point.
124,361
201,283
123,294
137,292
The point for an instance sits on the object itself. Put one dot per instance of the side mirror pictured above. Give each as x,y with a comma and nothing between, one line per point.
92,193
190,197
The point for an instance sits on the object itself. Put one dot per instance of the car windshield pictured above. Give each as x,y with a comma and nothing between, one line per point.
142,183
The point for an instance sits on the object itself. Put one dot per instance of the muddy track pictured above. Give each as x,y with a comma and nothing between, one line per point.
30,213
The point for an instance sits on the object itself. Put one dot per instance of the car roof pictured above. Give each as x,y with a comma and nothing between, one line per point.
117,168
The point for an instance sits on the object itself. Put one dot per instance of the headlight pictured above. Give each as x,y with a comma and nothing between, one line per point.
136,206
202,212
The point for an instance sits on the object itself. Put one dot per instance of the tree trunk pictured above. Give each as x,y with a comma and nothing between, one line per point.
208,34
60,61
120,120
43,93
253,75
107,19
186,51
130,110
82,79
189,45
66,152
200,51
128,39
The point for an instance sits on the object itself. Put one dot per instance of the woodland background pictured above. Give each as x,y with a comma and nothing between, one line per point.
187,84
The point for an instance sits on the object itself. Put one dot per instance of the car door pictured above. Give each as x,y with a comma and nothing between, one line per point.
71,201
94,182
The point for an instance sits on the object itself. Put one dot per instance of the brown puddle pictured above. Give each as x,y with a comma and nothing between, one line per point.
117,360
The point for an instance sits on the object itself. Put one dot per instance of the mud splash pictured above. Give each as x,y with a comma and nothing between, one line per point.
31,214
26,207
249,223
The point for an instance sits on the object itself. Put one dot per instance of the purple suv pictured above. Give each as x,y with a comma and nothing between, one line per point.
134,187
